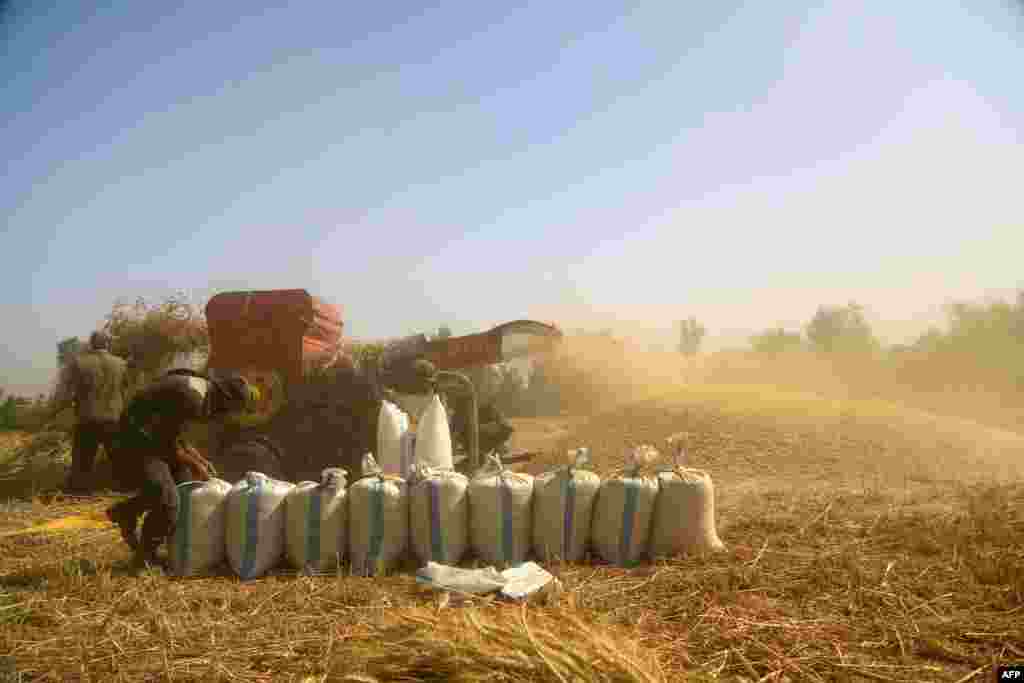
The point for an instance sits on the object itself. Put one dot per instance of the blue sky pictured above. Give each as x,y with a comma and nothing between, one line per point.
599,164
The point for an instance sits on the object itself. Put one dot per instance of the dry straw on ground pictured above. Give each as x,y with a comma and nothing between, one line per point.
852,587
856,551
503,644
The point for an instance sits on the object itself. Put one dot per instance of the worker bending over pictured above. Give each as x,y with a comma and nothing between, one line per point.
150,453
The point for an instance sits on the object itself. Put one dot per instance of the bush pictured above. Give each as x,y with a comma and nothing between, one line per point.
777,340
151,335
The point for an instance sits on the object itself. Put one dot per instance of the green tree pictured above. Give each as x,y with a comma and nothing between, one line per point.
691,334
841,329
990,335
776,340
9,414
444,332
151,335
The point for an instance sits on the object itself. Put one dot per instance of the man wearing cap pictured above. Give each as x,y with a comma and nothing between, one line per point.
149,449
492,427
94,381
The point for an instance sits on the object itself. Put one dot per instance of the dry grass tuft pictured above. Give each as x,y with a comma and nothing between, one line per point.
501,644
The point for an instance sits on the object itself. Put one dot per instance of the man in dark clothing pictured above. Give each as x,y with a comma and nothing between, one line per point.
408,382
95,382
494,429
148,449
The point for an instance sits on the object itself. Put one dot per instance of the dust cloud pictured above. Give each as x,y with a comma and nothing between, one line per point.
927,421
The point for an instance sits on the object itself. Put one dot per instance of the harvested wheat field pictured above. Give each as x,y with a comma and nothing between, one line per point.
865,541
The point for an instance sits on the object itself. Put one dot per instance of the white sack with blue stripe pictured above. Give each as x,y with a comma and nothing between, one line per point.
378,514
563,503
434,437
500,514
439,515
255,524
684,515
316,526
198,543
621,528
393,455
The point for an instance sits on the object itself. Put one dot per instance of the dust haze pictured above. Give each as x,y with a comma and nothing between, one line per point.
901,414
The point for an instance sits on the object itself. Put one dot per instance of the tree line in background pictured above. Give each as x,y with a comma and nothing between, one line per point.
833,329
988,337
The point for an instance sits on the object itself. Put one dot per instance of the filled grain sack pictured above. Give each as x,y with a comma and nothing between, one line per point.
563,504
198,543
255,524
621,526
434,437
392,425
378,514
684,514
316,522
439,515
500,514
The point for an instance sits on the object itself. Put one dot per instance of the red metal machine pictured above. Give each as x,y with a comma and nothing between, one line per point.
275,337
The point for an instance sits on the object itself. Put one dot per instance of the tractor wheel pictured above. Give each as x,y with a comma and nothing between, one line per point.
248,456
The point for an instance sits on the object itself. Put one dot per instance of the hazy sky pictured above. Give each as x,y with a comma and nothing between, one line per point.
599,164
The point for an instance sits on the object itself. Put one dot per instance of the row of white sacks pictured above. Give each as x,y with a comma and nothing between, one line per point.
442,516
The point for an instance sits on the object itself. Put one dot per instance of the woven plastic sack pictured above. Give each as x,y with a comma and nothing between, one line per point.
621,526
414,405
434,437
255,524
563,504
500,514
378,514
392,425
316,522
684,514
198,543
439,516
